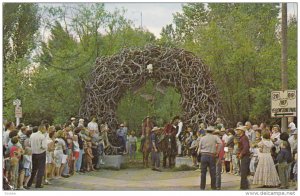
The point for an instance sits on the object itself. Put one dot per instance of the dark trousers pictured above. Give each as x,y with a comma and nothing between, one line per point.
155,159
123,142
245,164
38,169
208,161
83,163
96,156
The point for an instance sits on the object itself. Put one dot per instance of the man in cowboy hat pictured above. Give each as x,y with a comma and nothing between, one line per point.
121,133
244,156
155,154
209,153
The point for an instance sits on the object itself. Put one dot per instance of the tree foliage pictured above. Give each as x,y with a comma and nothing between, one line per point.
241,44
20,24
76,35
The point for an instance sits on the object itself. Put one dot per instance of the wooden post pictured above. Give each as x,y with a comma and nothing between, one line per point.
284,80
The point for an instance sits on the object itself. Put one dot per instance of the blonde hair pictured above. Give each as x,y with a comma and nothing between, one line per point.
51,128
27,150
60,134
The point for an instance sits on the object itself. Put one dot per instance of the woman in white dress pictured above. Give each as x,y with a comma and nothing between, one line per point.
266,173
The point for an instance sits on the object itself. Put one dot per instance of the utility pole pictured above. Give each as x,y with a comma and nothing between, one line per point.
284,79
141,20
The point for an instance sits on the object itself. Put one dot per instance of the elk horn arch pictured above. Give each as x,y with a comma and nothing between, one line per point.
113,76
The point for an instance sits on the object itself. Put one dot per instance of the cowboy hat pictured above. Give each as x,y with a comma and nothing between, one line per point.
210,129
216,132
155,128
242,128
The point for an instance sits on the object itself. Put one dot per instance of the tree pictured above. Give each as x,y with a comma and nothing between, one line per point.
75,40
240,43
21,22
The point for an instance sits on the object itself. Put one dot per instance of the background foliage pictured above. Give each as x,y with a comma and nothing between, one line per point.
239,42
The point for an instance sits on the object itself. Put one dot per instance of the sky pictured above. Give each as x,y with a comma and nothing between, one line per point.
157,15
154,15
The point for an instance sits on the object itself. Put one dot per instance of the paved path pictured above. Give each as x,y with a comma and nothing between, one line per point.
142,179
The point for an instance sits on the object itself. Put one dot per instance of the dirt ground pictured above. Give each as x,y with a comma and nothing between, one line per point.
143,179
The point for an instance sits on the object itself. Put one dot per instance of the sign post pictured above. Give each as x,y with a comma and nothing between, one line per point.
283,103
18,110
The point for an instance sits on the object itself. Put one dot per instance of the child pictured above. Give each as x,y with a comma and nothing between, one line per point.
49,157
15,156
27,162
235,160
186,144
199,136
254,157
193,150
132,140
75,150
89,157
282,158
100,150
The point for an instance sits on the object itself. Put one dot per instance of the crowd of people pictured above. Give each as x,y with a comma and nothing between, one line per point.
45,153
264,152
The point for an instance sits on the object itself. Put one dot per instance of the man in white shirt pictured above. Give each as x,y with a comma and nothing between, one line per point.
38,143
178,124
93,126
291,126
293,140
250,132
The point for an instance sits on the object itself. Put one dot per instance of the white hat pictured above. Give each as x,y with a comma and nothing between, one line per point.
242,128
210,129
73,118
155,128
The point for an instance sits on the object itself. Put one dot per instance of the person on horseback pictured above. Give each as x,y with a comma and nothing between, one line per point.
147,126
179,125
168,143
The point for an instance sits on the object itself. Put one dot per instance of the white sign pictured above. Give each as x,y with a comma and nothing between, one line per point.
18,112
283,103
17,102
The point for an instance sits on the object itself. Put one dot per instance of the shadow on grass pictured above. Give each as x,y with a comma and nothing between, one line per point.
183,168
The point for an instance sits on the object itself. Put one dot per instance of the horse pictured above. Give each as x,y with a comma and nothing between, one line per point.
168,145
146,149
146,141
